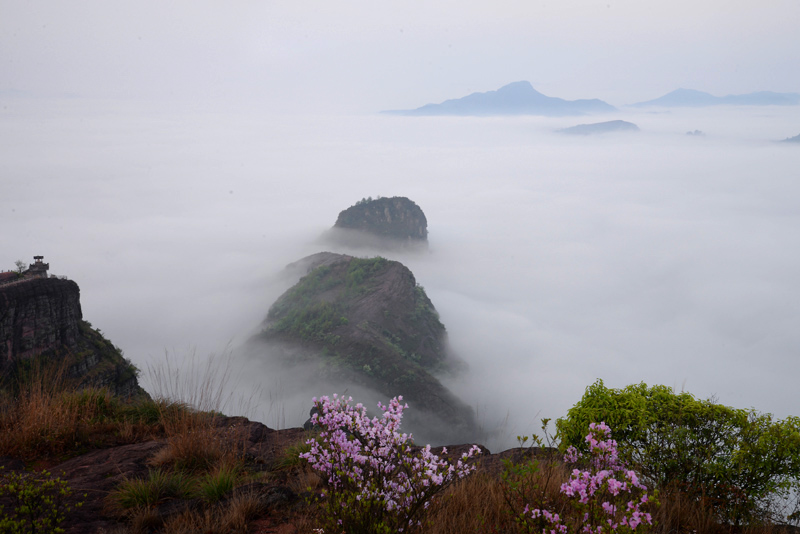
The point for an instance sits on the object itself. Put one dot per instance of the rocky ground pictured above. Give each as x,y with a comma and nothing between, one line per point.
281,492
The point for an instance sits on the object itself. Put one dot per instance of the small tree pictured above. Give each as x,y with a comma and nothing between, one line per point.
21,266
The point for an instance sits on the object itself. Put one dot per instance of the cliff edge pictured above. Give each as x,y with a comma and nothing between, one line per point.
41,321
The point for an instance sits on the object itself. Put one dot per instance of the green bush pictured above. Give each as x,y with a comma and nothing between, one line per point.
740,461
38,503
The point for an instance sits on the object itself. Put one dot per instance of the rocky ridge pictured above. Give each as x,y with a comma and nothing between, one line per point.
367,322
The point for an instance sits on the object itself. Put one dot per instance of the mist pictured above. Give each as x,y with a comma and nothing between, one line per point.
553,260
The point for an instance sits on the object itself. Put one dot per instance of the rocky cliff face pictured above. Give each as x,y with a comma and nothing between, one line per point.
383,221
367,322
42,318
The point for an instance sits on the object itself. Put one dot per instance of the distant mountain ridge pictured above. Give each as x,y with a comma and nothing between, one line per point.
601,128
693,98
518,98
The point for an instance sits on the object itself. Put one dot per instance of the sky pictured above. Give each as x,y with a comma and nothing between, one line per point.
172,158
358,56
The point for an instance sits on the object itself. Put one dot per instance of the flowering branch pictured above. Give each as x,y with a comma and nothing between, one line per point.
376,482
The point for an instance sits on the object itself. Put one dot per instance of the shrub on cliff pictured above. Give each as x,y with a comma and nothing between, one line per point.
740,462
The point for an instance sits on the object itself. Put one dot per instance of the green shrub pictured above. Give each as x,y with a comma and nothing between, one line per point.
38,503
740,461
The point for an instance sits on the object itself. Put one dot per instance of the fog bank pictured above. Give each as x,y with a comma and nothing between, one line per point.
553,261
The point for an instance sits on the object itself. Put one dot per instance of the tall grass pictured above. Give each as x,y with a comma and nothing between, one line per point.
195,440
158,485
43,415
203,386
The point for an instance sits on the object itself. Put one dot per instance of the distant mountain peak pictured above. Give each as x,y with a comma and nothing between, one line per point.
521,87
694,98
517,98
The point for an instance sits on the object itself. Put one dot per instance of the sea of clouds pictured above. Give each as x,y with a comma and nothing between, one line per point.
554,260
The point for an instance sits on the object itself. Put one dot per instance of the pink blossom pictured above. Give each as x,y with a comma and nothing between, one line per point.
607,482
370,461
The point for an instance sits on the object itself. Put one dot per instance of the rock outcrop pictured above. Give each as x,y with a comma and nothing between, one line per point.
381,223
41,318
367,322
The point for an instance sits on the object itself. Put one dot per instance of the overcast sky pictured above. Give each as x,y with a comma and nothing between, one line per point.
359,56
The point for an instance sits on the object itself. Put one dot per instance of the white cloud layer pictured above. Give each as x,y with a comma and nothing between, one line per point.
554,260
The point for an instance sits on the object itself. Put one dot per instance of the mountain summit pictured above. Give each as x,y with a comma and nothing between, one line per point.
518,98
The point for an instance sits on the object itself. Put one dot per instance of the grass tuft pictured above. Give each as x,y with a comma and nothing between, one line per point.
158,486
289,459
214,486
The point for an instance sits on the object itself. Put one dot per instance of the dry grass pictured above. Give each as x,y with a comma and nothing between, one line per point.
233,517
194,439
482,502
195,445
191,398
473,504
45,417
679,513
204,386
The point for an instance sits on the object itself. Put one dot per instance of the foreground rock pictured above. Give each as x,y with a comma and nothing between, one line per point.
367,323
41,320
279,490
381,223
